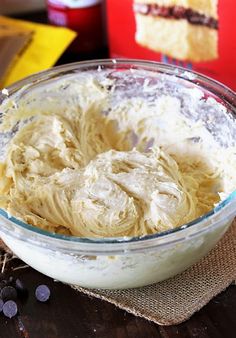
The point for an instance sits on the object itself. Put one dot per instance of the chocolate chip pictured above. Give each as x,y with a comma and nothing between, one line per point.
20,286
8,293
1,305
11,280
42,293
10,309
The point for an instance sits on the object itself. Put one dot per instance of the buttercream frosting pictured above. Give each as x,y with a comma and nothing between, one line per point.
93,168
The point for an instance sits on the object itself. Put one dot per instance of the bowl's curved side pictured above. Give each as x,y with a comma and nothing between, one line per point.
127,270
124,262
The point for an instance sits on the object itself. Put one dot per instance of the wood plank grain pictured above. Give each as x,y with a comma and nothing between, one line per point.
70,314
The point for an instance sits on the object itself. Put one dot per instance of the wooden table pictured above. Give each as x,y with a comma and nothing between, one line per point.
70,314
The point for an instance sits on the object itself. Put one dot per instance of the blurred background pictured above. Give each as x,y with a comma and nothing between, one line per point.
38,34
19,6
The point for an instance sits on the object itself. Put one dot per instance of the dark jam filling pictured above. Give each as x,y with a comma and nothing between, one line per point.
176,12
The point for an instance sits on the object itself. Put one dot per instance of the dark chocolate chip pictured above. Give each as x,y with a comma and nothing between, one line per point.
10,309
11,280
20,286
8,293
42,293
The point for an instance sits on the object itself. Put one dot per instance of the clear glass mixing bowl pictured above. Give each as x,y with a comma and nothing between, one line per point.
117,263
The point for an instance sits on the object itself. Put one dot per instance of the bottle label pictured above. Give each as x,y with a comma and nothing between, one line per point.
74,3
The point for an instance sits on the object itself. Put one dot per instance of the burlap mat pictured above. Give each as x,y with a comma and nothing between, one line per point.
175,300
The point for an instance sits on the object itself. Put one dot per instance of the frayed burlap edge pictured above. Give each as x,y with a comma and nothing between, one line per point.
175,300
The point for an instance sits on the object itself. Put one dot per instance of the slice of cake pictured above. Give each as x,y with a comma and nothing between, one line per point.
181,29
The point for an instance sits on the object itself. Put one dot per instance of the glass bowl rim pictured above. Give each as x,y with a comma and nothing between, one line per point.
180,72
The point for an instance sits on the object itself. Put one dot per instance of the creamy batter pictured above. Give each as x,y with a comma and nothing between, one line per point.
95,167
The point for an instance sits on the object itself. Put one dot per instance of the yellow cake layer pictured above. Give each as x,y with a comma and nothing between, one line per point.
177,38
